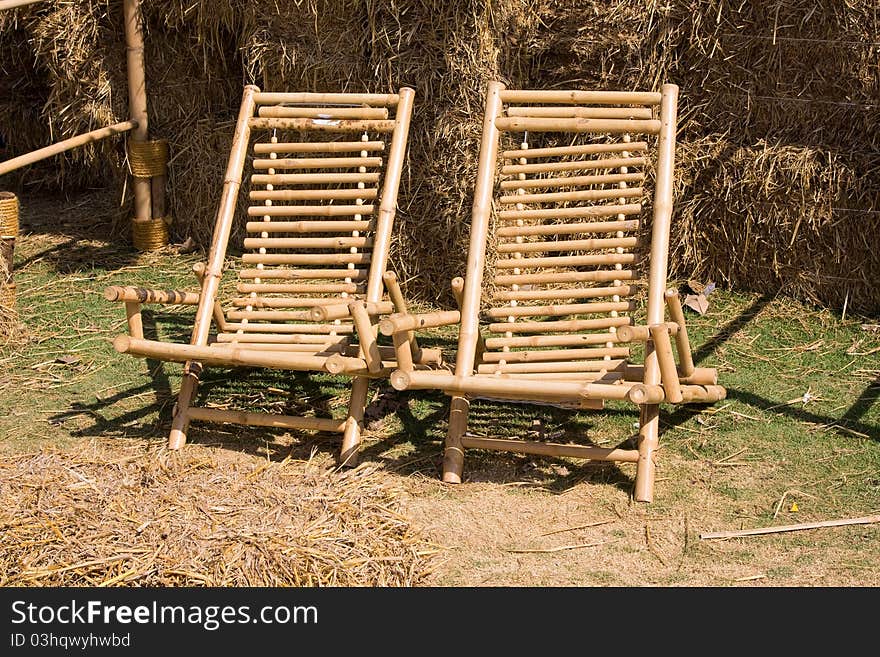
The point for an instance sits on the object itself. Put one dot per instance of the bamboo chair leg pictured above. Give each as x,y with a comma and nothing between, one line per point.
453,455
188,387
648,441
351,438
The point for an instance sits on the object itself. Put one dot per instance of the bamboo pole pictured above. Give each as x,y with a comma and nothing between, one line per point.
703,394
293,288
400,307
306,258
65,145
309,339
580,97
337,310
581,149
593,244
291,328
552,449
702,376
569,261
598,126
303,274
682,343
263,148
307,242
214,268
571,181
134,319
555,366
864,520
650,414
137,99
286,302
257,419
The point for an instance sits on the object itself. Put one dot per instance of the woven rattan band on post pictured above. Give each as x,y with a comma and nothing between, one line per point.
7,297
8,215
149,235
147,159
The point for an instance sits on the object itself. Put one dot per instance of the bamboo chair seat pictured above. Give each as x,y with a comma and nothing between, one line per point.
559,264
312,280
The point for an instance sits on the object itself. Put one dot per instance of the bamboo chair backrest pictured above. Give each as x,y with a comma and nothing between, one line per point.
323,194
568,202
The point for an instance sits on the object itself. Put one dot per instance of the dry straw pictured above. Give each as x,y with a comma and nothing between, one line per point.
134,515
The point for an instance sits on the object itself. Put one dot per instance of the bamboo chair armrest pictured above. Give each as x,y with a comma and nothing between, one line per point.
400,322
343,310
642,333
131,294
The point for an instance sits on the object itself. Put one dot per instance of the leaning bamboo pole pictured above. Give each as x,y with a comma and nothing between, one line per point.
662,218
214,267
65,145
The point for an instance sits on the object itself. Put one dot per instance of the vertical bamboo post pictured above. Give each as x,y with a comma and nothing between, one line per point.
213,270
351,437
649,432
137,98
469,331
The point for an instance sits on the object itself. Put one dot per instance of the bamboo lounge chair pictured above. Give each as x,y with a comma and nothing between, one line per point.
312,285
563,273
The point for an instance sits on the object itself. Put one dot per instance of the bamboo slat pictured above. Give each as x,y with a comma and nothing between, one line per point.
581,97
309,210
307,242
284,302
263,148
580,149
568,261
310,340
560,355
563,293
557,310
338,310
398,323
594,244
334,226
572,181
550,366
317,163
597,126
286,112
306,258
564,277
341,329
292,288
310,98
641,333
323,125
580,112
571,197
573,165
569,213
313,178
568,229
313,194
566,326
537,341
270,315
143,295
303,274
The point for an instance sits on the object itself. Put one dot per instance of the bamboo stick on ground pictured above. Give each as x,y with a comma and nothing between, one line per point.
864,520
